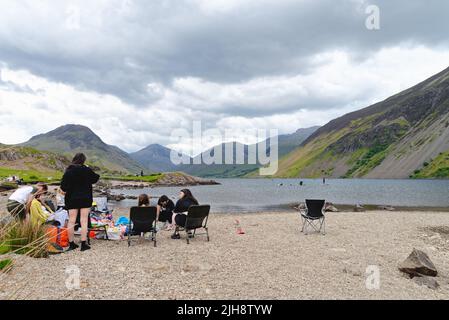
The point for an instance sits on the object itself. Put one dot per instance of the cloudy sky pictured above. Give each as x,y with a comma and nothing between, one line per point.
135,70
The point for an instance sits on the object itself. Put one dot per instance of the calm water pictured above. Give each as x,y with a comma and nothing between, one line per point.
249,195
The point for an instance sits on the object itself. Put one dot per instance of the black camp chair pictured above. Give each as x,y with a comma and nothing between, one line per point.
197,218
313,216
141,221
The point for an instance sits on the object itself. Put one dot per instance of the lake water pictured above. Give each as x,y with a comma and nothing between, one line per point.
251,195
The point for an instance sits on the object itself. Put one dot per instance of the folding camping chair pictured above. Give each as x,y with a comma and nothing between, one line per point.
141,221
313,216
90,227
197,218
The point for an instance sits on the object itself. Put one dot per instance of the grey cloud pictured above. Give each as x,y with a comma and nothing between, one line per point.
159,41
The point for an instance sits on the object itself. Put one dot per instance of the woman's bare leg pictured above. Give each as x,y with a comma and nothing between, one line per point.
84,223
71,225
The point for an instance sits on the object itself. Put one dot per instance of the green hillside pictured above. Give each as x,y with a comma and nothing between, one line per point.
404,136
30,164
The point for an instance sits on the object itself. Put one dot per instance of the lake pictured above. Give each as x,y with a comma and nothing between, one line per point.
251,195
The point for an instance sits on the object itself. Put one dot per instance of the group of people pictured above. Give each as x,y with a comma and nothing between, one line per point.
170,214
75,196
27,200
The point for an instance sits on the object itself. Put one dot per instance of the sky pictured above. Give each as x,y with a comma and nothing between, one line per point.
135,70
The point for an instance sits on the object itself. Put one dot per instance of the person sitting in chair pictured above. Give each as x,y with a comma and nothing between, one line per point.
144,201
186,200
39,211
165,209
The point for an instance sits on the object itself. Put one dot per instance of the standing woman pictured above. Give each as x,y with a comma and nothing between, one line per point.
77,184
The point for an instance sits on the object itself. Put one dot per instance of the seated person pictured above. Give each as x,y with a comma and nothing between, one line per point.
39,214
186,200
165,209
20,201
144,201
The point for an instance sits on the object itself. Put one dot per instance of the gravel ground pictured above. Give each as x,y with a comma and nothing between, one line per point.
273,260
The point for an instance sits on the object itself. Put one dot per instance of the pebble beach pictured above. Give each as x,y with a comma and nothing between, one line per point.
272,260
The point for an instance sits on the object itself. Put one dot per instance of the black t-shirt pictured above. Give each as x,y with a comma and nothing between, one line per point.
77,182
183,205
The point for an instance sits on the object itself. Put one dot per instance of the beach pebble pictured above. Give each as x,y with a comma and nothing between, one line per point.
351,271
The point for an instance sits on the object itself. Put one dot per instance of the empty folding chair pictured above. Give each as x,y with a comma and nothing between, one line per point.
313,216
141,221
197,218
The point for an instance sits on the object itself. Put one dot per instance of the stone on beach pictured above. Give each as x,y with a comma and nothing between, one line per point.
329,207
359,208
418,264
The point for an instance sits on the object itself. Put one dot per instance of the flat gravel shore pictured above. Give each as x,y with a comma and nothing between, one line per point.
272,260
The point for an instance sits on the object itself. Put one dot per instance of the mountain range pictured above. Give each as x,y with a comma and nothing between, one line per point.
155,158
405,136
286,143
67,140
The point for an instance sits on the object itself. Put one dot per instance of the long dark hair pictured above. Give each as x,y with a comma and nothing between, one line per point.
79,159
162,199
144,200
188,195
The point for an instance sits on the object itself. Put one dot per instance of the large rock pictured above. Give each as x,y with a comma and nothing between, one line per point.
418,264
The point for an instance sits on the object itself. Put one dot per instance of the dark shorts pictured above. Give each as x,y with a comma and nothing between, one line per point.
181,219
16,209
78,204
165,216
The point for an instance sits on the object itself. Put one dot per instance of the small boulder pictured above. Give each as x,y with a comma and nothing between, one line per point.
418,264
329,207
429,282
359,208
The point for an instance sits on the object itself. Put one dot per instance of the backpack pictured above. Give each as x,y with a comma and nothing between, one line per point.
60,236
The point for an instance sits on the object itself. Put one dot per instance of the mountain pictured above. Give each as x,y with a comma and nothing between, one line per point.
70,139
286,143
155,158
407,135
289,142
